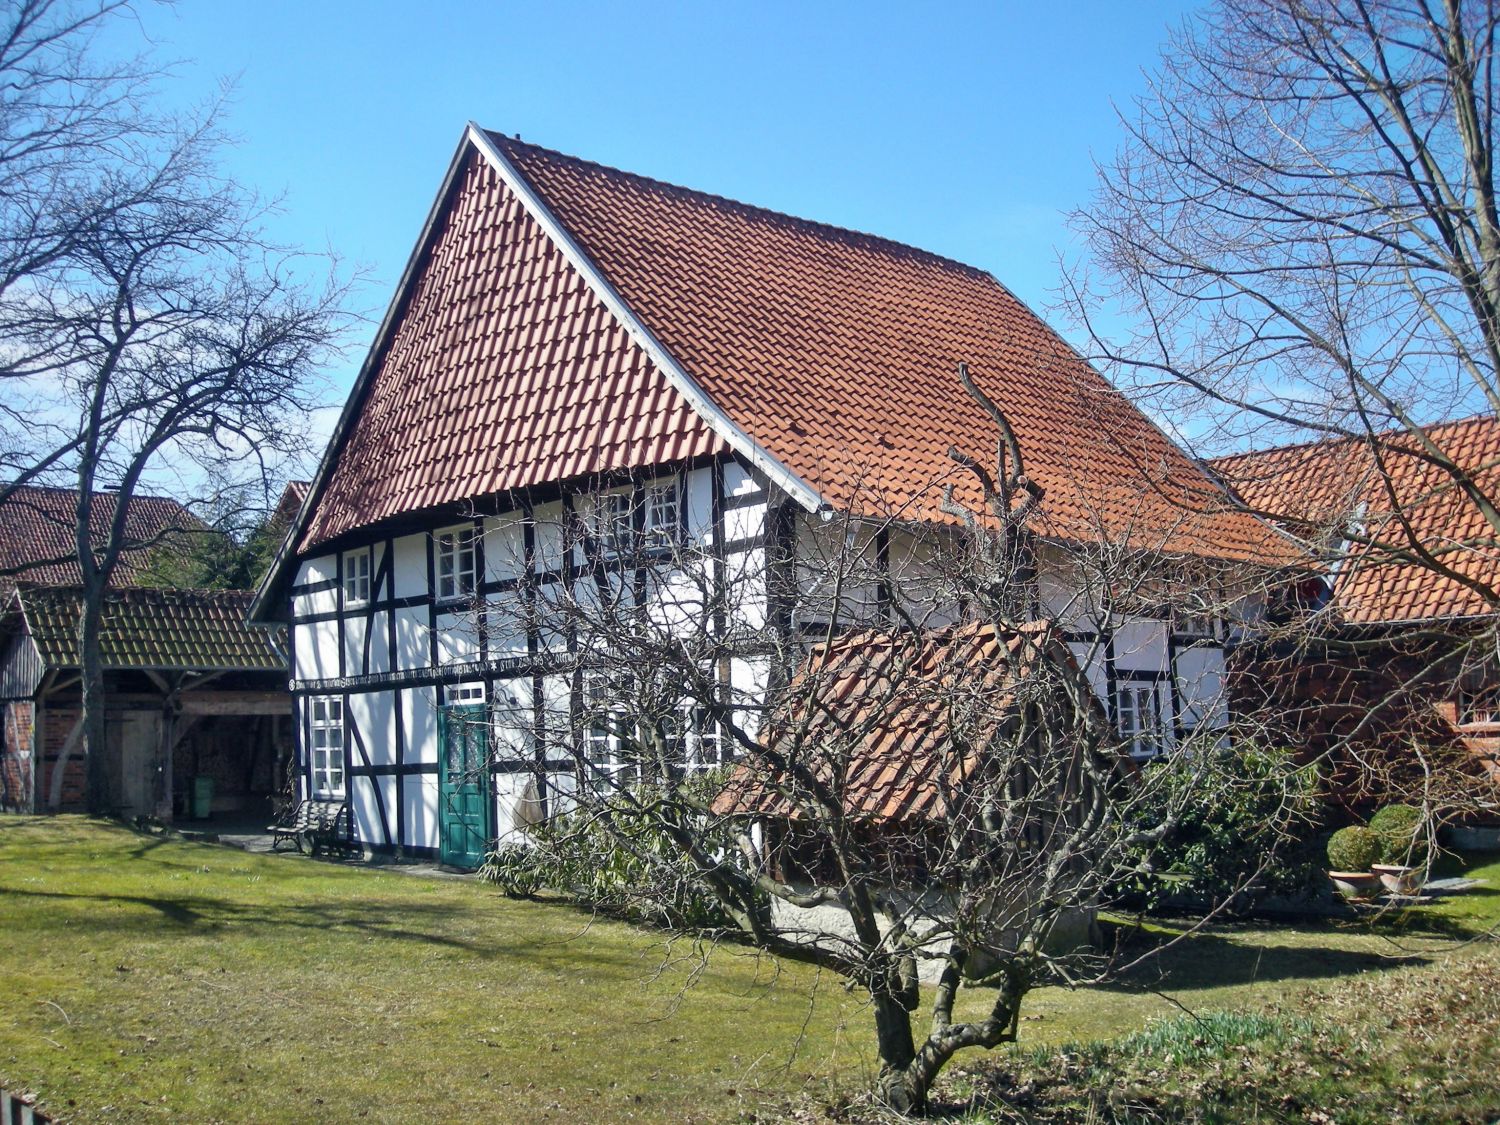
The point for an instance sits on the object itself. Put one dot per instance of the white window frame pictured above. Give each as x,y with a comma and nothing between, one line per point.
663,522
601,741
1138,718
325,745
1186,623
610,522
599,723
706,744
463,695
1478,704
455,563
357,568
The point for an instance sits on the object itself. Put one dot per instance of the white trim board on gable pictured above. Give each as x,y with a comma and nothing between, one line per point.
686,385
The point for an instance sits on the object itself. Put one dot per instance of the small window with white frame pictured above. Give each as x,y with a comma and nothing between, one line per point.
456,563
611,522
663,514
1138,718
460,695
601,739
1194,623
357,577
327,747
706,745
1478,702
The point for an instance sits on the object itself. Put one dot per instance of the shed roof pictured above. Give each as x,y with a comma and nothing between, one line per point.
563,319
871,715
1400,497
147,628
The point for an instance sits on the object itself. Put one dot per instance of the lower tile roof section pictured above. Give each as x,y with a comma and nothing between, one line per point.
147,628
870,717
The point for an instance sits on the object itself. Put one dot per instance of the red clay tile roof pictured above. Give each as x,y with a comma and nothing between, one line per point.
834,351
505,372
290,502
1319,488
163,630
36,533
872,716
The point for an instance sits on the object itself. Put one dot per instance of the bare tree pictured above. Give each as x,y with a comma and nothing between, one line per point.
148,322
1301,231
915,780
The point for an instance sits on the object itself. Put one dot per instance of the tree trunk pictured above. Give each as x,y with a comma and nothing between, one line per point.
897,1053
97,797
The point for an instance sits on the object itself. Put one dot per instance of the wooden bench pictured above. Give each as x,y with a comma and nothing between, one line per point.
312,825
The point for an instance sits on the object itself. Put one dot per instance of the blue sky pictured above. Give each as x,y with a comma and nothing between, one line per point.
965,129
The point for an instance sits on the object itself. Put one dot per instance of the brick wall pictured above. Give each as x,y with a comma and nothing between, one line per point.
1382,724
16,790
56,723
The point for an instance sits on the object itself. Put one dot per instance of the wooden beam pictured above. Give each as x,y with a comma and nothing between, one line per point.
212,705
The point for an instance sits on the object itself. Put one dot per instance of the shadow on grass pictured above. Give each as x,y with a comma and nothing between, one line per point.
422,923
1211,960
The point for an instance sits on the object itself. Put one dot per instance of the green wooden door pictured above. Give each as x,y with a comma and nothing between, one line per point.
464,788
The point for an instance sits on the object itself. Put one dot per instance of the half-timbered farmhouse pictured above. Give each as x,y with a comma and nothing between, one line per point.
577,359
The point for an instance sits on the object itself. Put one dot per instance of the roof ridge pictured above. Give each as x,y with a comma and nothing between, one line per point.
815,225
1441,424
97,492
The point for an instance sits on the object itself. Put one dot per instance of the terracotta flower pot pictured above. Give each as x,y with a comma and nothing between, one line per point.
1353,884
1398,880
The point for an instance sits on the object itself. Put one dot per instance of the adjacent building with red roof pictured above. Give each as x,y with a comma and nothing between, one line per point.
577,347
38,542
196,696
1407,531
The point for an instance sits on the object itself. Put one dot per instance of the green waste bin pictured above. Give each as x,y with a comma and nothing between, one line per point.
203,797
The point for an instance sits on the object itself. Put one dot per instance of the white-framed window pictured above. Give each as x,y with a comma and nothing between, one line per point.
706,746
600,717
610,522
1187,623
455,563
663,514
1138,717
357,577
1478,703
459,695
327,747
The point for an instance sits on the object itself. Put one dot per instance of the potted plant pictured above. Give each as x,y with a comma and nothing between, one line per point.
1351,851
1404,854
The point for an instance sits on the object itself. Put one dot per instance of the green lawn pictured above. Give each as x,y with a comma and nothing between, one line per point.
147,978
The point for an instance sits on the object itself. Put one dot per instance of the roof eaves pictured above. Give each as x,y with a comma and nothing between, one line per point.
273,578
685,384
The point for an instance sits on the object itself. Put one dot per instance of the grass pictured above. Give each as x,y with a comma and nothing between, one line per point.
1420,1042
150,979
154,979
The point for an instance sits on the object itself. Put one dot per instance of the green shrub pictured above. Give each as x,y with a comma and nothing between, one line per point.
1245,824
615,858
1353,849
519,870
1403,835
